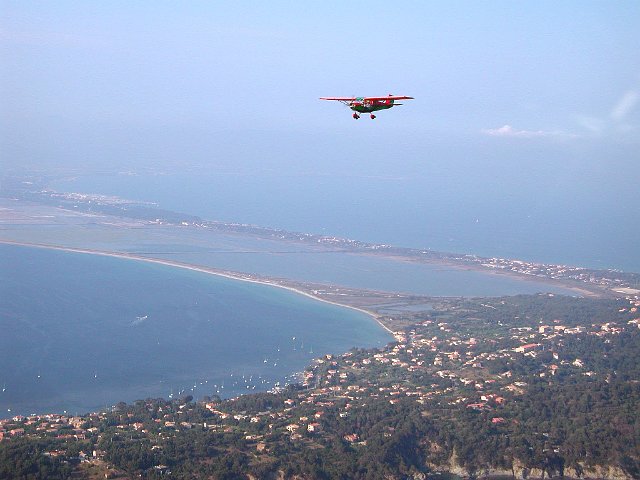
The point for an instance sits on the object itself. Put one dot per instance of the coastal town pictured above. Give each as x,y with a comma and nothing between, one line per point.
502,374
483,357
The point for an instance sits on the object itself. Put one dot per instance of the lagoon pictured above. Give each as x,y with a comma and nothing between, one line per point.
549,219
264,257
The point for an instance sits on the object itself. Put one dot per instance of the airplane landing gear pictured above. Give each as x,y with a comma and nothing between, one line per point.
372,116
356,116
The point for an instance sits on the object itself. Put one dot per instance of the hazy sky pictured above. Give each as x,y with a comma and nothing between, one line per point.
236,84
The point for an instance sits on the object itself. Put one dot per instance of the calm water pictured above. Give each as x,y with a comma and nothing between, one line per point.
556,216
294,261
81,331
369,272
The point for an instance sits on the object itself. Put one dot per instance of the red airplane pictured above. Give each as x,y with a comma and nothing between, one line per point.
368,104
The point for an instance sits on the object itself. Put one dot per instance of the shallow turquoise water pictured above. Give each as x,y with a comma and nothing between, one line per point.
81,332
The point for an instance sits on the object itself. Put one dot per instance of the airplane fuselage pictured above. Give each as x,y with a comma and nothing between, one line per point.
368,104
363,105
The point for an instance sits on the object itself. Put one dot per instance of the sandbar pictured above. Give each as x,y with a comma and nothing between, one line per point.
244,277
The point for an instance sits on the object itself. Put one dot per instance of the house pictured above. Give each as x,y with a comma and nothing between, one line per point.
526,348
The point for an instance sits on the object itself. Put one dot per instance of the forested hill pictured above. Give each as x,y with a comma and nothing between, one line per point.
528,386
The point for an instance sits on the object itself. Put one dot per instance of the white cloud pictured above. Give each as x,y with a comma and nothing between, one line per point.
509,131
593,124
619,122
625,105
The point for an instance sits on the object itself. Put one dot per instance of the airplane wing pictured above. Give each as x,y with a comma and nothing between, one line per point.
339,99
351,99
390,97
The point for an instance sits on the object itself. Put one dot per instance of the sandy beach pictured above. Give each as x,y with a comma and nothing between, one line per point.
244,277
52,227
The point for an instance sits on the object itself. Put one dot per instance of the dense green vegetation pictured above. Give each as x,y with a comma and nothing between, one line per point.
456,392
22,458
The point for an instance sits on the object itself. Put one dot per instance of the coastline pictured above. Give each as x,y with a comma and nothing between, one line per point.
244,277
571,280
578,289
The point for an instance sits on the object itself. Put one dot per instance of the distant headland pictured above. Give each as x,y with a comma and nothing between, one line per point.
583,281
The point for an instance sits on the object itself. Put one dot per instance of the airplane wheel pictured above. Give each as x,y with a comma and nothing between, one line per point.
356,116
372,116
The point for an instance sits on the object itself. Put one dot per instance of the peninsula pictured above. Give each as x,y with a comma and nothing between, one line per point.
27,203
524,386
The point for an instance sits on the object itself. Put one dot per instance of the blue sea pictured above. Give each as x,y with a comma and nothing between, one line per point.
552,216
82,332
